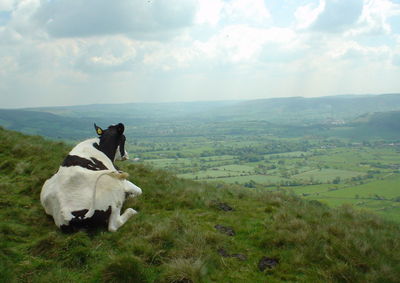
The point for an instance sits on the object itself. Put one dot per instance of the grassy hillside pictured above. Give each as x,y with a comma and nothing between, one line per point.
44,124
386,120
369,126
185,232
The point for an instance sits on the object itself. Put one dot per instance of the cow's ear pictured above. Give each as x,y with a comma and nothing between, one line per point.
120,128
99,131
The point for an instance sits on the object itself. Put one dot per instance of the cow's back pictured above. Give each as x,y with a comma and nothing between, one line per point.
87,191
72,188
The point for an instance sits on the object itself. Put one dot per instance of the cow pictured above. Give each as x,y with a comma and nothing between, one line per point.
88,191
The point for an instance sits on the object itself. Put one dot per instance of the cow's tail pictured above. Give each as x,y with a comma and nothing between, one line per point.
113,173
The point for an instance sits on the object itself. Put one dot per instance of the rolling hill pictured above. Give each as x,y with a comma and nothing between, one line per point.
295,116
185,232
301,110
290,110
44,124
375,125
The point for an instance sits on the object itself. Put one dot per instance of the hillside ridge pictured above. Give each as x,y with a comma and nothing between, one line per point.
295,116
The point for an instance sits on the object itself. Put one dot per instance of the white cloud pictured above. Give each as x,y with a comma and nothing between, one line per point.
374,18
307,14
351,50
250,11
209,12
54,52
7,5
137,18
234,44
396,60
106,55
9,36
213,12
338,15
7,65
240,43
21,20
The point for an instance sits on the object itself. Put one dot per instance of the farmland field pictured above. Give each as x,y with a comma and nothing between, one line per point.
335,172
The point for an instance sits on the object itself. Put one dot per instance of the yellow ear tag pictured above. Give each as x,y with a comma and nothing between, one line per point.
99,131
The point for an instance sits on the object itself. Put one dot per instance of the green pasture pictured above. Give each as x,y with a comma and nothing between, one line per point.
354,158
292,154
379,196
391,213
185,163
312,189
208,174
388,188
237,168
362,174
327,175
165,162
260,179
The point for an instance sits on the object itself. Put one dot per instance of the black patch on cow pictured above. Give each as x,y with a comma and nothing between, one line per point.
122,145
110,139
99,219
96,145
91,164
80,214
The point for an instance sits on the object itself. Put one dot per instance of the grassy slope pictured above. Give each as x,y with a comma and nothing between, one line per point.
173,238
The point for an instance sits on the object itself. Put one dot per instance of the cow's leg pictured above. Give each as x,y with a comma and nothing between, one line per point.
117,220
131,190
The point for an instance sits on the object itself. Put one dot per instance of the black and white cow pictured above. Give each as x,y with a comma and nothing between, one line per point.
88,191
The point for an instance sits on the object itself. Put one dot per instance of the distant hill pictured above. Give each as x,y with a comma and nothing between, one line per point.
289,116
371,125
45,124
137,111
185,232
300,110
387,120
291,110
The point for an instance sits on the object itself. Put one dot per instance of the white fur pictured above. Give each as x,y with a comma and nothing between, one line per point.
76,188
119,157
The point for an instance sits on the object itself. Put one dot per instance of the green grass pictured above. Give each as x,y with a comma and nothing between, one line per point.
378,195
263,179
288,154
173,237
237,168
209,174
327,175
388,188
333,174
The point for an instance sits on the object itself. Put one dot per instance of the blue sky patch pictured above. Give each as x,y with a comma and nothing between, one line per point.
5,16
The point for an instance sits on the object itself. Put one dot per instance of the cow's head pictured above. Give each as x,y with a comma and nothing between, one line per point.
112,141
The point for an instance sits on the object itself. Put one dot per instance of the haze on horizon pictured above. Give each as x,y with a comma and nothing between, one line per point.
61,52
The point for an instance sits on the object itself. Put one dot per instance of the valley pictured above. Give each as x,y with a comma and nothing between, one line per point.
334,172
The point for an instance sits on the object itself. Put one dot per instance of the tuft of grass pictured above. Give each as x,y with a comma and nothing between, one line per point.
124,269
184,270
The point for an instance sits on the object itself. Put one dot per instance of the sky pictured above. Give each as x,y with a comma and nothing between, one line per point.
72,52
